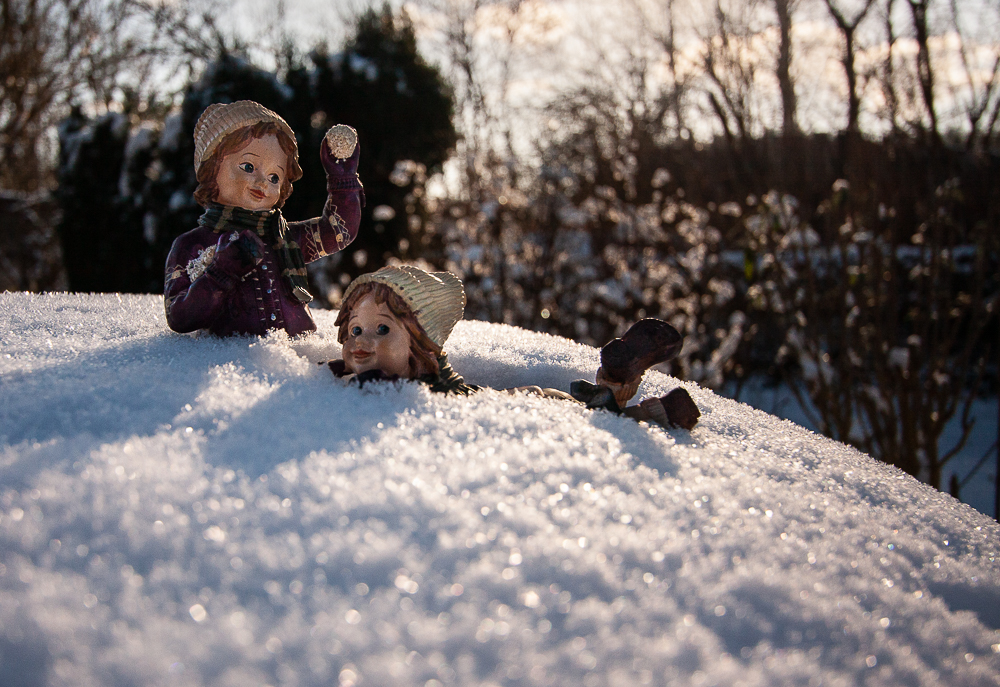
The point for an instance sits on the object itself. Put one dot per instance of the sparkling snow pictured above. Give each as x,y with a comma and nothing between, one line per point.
185,510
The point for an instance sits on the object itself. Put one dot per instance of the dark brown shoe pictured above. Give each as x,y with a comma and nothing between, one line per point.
648,342
681,409
594,396
676,409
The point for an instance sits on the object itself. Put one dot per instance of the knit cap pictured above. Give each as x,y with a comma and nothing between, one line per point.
221,119
437,299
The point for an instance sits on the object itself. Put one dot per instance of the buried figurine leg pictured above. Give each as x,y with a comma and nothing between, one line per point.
676,409
624,361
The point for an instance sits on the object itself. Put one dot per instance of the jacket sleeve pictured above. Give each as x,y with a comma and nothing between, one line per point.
334,229
341,217
195,291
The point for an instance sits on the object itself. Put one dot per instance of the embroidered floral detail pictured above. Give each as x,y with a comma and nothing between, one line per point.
338,224
314,240
197,266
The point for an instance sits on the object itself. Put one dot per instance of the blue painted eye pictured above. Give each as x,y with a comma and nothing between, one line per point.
382,329
247,167
356,331
274,179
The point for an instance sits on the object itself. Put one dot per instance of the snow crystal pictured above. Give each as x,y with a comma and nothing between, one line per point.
182,509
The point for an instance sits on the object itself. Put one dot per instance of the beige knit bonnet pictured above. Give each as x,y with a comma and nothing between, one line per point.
221,119
437,299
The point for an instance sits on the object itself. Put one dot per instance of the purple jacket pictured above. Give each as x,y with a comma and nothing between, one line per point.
200,294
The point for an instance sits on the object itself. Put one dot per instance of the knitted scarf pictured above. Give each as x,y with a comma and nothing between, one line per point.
447,381
271,227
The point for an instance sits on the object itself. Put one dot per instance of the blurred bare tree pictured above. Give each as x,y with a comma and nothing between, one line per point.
980,72
784,11
847,22
730,64
484,45
98,54
30,253
925,69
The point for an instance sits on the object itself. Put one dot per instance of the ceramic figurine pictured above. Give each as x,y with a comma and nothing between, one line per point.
393,324
242,270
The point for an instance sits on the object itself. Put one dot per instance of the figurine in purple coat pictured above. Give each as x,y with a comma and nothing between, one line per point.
242,270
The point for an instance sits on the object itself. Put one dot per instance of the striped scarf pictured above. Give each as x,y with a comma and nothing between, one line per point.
447,381
272,228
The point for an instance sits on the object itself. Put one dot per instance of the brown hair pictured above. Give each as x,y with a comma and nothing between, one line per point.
208,187
423,352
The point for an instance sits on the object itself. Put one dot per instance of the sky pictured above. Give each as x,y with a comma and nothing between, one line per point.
559,43
182,509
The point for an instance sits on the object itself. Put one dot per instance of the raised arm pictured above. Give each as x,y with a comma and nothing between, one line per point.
338,225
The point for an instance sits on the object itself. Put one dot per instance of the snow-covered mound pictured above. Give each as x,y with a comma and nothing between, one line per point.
184,510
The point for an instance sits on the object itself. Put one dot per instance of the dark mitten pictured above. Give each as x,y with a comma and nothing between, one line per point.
339,154
237,255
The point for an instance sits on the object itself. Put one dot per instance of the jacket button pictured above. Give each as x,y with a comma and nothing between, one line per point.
273,317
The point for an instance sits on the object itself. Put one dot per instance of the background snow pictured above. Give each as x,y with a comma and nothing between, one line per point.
187,510
974,465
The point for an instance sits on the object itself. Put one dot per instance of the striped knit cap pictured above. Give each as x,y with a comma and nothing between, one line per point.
437,299
221,119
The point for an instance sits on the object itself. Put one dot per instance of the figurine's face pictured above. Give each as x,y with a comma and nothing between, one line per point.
251,178
376,340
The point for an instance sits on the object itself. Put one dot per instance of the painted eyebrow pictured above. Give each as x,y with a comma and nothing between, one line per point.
281,167
257,156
